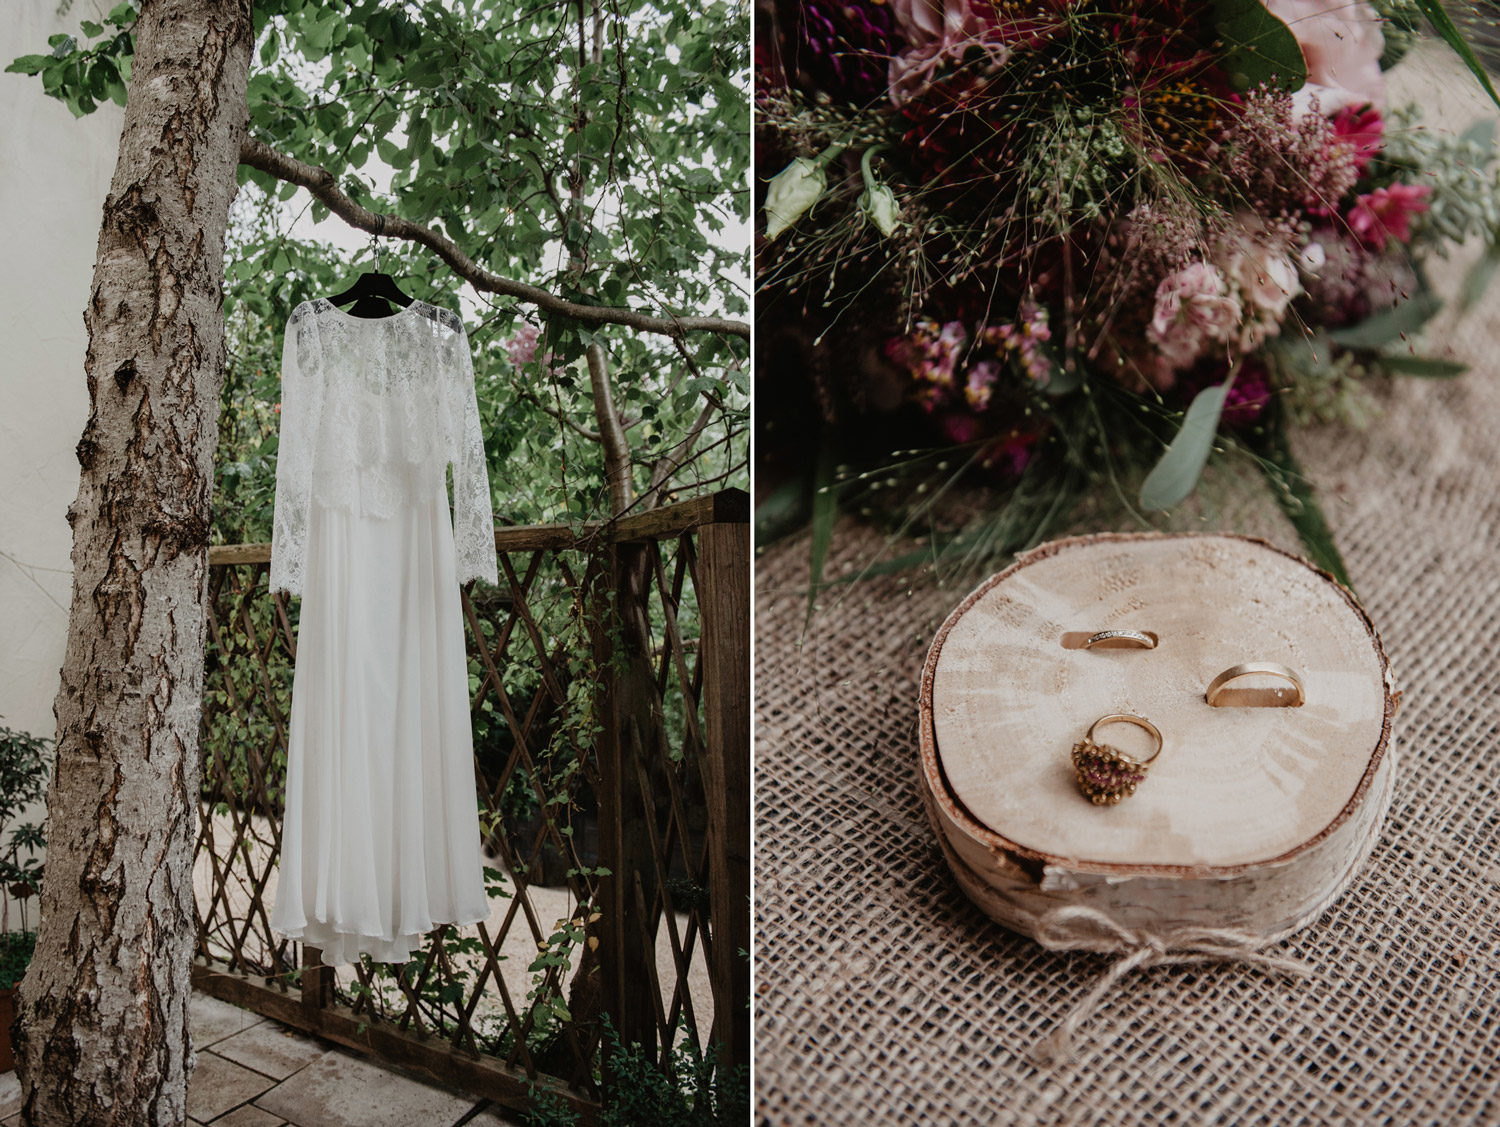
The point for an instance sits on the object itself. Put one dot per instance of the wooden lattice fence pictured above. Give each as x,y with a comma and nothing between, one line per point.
609,677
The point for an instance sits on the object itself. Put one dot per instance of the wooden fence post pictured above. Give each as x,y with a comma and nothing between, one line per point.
317,983
724,610
626,957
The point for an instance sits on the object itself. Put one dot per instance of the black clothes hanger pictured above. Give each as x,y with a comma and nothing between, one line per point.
374,293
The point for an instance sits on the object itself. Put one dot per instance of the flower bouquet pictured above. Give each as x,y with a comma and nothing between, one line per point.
1044,244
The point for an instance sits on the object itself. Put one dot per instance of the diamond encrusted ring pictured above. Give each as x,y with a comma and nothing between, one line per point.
1120,640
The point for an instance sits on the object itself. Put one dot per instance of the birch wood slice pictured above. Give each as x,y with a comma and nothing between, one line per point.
1252,818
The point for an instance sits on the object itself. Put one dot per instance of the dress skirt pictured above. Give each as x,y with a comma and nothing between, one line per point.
380,841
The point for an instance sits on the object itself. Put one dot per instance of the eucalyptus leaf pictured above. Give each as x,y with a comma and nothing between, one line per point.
1176,474
1391,325
1478,279
1425,366
1481,133
1258,47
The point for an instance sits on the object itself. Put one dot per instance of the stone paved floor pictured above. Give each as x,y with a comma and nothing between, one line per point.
254,1072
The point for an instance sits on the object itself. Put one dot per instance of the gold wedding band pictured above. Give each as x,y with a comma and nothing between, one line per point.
1256,698
1106,774
1121,639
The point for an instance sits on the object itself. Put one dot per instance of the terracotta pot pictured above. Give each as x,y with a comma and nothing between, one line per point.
7,1015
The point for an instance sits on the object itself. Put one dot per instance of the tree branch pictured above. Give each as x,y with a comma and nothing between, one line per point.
324,187
591,435
611,435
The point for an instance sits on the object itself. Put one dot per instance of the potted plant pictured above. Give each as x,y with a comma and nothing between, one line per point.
23,779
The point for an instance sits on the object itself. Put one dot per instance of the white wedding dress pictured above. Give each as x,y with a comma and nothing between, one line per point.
380,842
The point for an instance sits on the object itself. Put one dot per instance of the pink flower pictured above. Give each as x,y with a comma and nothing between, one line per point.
1364,129
1341,43
930,354
936,31
1385,214
1193,309
522,346
959,429
981,383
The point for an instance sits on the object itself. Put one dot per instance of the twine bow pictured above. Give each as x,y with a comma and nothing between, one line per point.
1076,928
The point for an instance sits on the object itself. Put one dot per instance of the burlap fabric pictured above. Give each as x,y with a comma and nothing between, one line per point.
883,997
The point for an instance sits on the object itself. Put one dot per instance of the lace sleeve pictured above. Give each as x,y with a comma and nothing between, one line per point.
473,518
294,459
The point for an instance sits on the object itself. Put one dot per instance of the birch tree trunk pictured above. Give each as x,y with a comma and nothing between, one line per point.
102,1033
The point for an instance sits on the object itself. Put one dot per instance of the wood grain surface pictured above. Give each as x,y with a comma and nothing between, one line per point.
1289,799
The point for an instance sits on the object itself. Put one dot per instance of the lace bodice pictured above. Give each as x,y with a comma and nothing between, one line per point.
373,411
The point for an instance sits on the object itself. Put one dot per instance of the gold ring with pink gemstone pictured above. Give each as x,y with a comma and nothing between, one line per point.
1106,774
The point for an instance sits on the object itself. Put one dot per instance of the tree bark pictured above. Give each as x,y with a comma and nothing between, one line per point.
102,1035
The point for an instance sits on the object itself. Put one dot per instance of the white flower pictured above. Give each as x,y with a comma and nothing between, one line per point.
1341,43
1312,259
879,203
793,190
1267,280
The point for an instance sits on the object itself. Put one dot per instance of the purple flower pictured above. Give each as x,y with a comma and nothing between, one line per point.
846,48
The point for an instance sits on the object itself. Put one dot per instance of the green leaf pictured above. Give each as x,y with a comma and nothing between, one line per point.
1258,47
1391,325
1294,493
1174,477
1478,279
1444,26
1428,367
1481,133
824,512
28,64
782,511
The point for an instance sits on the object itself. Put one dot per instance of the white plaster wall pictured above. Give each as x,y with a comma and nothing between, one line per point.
54,175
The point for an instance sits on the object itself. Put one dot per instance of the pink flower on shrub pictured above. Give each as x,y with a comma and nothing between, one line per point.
1385,214
958,429
522,346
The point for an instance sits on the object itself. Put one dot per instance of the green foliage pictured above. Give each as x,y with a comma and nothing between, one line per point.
16,948
82,77
441,995
1443,24
24,768
607,163
246,705
694,1092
